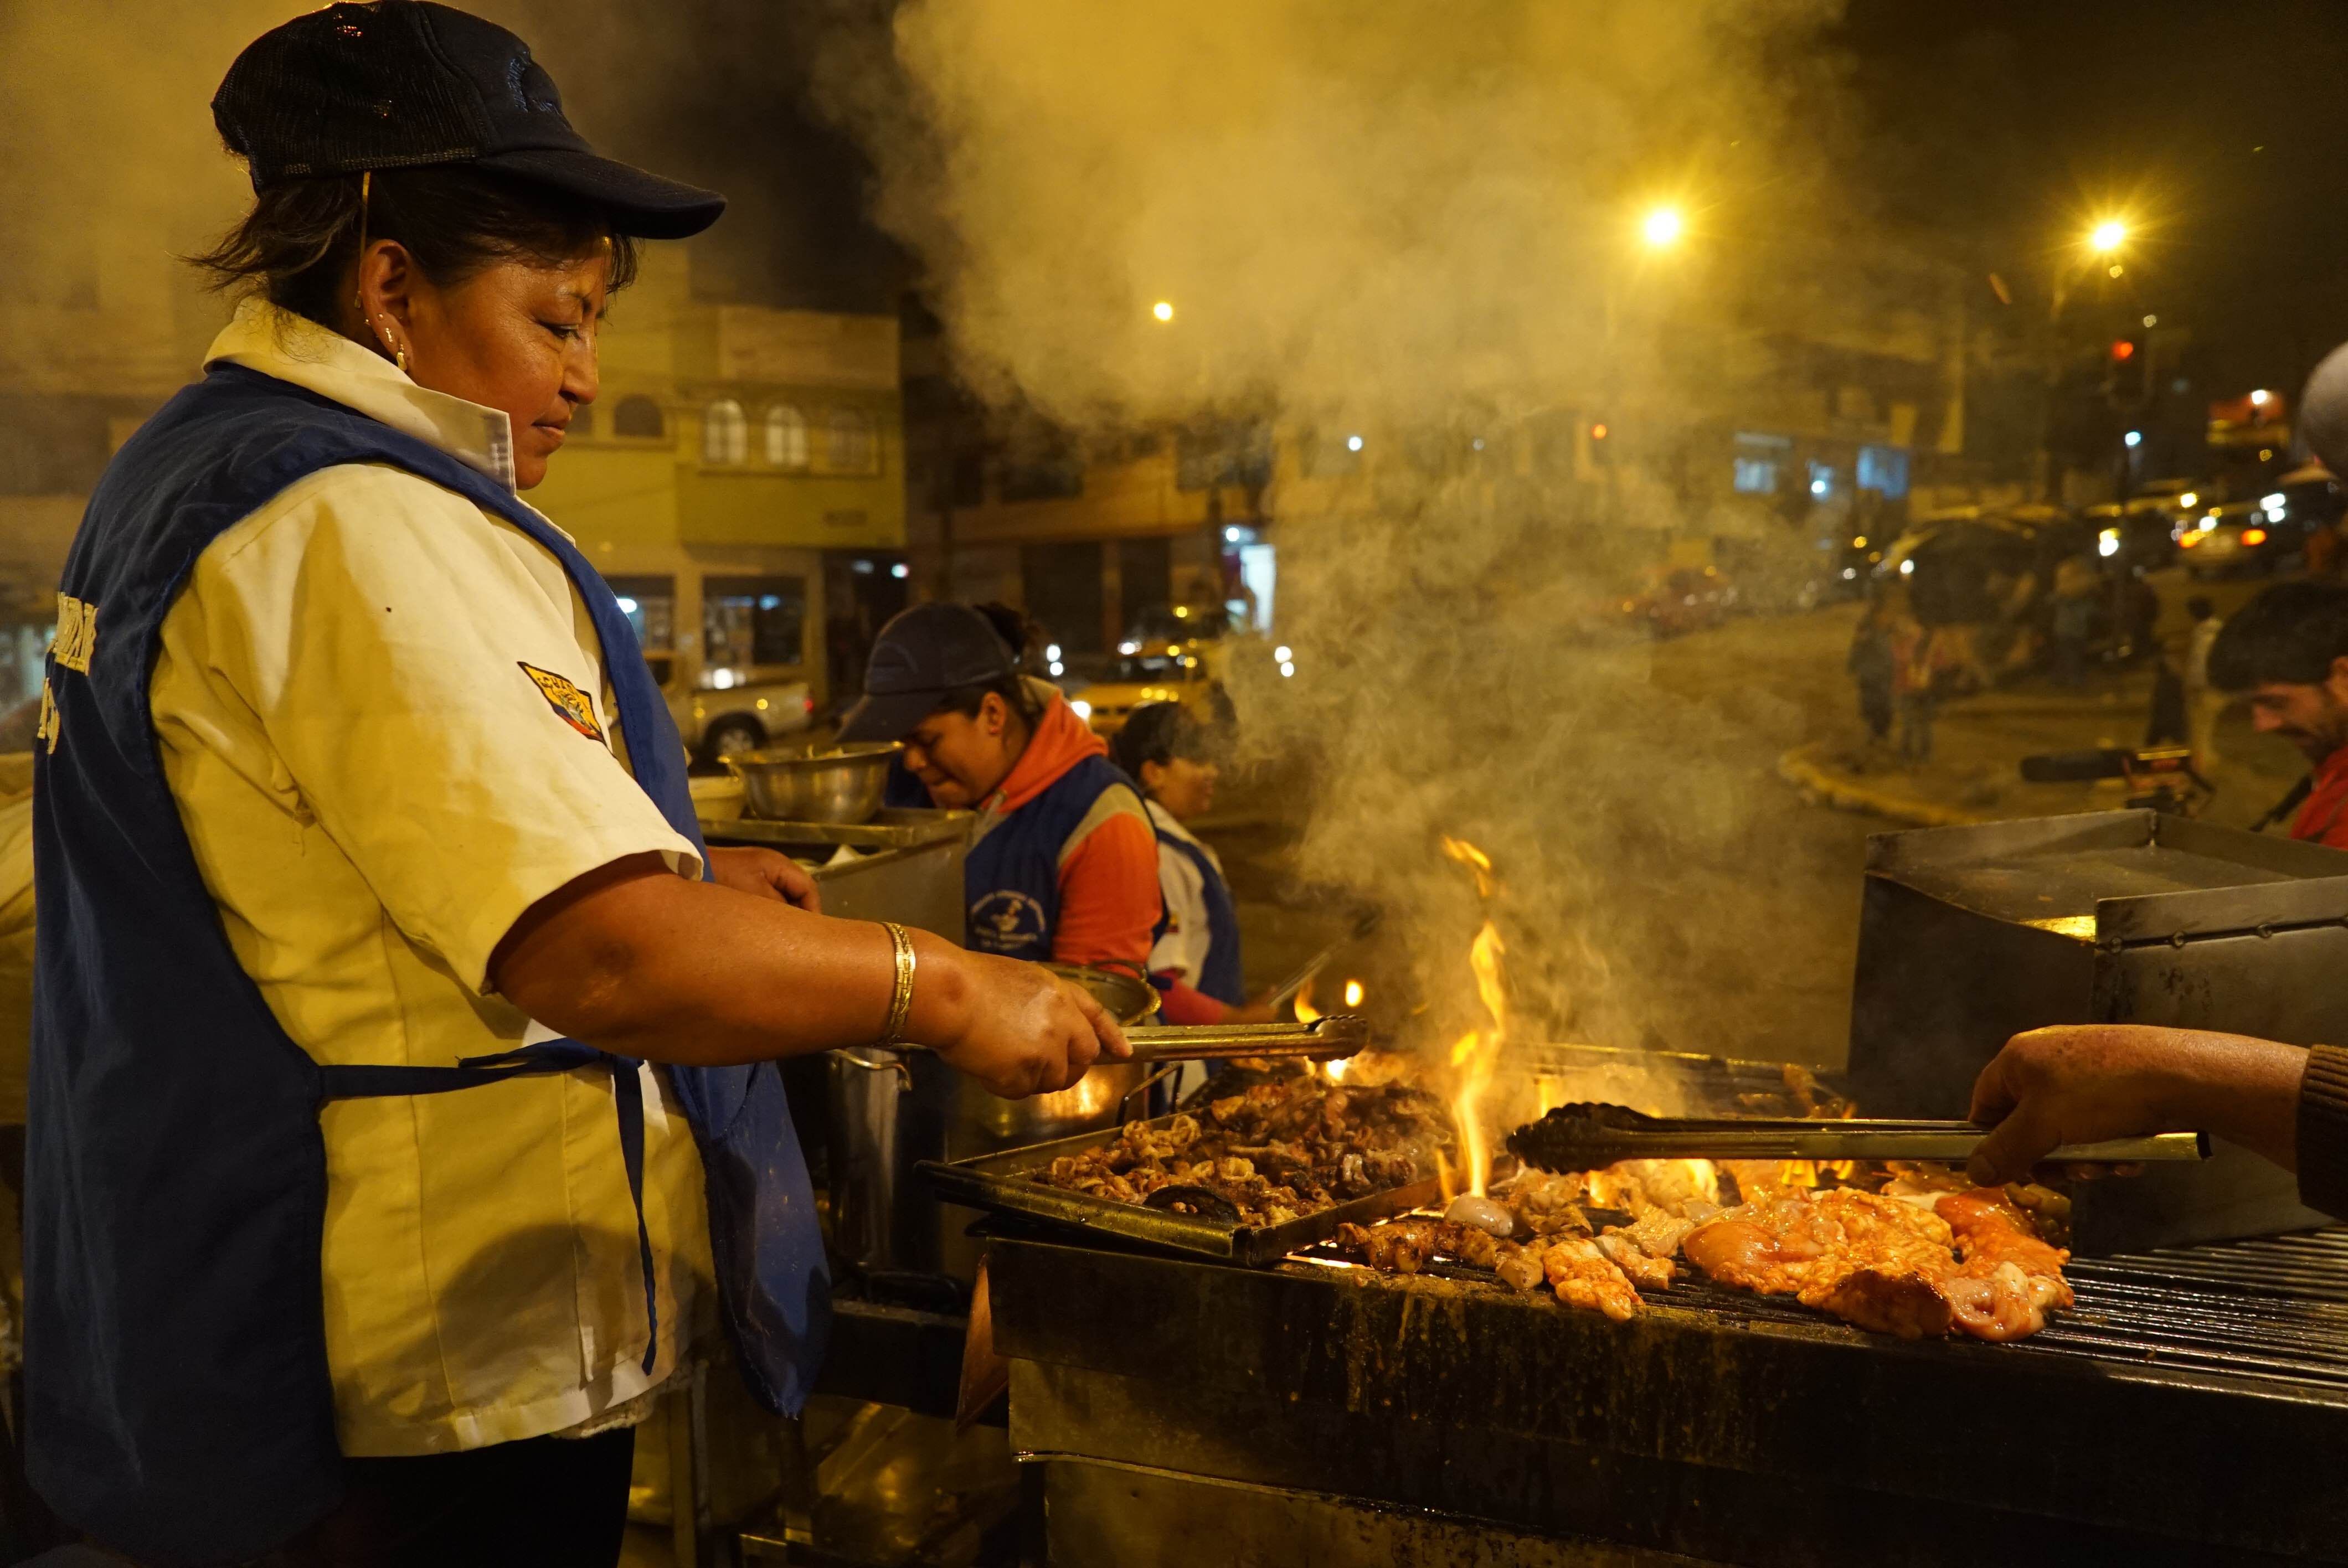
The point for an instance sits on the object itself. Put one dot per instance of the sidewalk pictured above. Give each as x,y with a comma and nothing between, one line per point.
1977,745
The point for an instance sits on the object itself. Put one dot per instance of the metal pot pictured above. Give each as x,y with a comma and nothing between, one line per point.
890,1109
814,784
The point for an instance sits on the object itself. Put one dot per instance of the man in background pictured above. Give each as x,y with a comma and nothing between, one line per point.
2287,653
2203,706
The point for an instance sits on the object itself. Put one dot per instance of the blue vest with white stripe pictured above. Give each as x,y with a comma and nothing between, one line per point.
1219,975
178,1401
1011,880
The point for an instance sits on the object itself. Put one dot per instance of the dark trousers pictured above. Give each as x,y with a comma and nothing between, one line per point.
546,1502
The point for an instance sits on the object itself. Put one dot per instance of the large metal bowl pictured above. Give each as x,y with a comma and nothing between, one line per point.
814,784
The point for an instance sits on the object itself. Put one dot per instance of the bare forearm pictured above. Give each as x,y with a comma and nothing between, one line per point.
2244,1089
689,972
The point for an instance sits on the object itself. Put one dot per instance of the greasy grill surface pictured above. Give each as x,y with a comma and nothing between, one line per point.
2272,1309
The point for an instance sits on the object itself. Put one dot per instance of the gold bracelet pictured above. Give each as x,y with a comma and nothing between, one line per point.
901,1003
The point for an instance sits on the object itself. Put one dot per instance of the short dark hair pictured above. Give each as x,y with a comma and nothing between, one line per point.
2288,634
1155,733
456,220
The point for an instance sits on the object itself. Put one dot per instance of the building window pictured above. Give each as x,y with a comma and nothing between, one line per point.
650,605
747,622
1757,459
786,436
1884,469
850,445
639,417
725,433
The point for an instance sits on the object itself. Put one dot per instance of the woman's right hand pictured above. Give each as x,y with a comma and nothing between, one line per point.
1021,1030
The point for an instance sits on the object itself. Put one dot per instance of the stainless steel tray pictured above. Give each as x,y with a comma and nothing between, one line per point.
999,1184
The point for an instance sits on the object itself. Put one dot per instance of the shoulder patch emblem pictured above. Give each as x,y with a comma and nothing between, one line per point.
77,633
569,702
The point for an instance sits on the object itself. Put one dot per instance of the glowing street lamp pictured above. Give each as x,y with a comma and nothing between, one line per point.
1662,228
1163,310
2107,237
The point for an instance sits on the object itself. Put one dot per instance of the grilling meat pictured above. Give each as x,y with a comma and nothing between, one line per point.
1273,1151
1968,1261
1584,1276
1404,1245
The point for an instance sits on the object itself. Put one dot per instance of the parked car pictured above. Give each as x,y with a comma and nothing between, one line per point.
719,722
1681,599
2132,537
2244,536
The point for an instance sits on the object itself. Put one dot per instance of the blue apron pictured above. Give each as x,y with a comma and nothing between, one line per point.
178,1401
1218,977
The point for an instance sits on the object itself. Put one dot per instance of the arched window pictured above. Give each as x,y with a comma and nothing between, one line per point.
725,433
848,444
786,436
638,416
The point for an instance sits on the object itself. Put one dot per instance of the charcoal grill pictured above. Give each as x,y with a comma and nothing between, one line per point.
2193,1409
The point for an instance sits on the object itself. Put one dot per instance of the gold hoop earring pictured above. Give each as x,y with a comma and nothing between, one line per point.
400,358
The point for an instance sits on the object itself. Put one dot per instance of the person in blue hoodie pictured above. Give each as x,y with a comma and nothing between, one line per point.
401,1098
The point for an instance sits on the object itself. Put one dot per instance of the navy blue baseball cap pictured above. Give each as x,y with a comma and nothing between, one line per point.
400,84
923,655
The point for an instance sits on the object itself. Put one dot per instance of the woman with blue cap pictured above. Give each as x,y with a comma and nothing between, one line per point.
1062,864
401,1090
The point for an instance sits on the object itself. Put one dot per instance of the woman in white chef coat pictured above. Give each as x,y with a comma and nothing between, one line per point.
400,1097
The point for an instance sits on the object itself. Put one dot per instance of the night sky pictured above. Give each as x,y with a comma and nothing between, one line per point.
1990,132
2003,126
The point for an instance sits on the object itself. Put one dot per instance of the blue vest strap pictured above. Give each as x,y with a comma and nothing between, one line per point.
546,1056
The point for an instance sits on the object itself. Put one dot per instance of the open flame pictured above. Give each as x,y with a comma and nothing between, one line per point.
1353,995
1478,1053
1475,859
1305,1012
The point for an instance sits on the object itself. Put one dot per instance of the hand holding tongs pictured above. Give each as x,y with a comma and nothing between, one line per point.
1590,1137
1325,1038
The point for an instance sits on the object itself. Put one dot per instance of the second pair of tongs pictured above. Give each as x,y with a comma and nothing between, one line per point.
1590,1137
1326,1038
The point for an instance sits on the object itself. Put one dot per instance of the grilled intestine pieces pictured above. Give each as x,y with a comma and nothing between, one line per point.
1640,1266
1584,1276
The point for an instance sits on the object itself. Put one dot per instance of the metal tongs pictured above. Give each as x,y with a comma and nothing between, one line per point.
1590,1137
1325,1038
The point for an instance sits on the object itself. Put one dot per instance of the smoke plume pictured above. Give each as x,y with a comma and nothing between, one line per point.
1419,224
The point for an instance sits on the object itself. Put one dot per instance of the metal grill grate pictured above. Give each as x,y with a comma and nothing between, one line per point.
2273,1309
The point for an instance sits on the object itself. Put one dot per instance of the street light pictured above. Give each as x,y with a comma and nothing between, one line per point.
1662,227
2107,237
1163,310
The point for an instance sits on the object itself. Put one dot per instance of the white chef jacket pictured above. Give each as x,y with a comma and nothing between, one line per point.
376,788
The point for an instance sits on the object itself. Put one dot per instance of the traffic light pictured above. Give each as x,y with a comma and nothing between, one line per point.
2128,372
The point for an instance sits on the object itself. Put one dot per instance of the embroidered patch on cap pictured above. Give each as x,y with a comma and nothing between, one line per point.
569,702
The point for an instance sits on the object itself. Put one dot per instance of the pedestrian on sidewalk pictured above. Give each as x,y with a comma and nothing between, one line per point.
1871,665
2287,650
2076,586
2203,706
1912,688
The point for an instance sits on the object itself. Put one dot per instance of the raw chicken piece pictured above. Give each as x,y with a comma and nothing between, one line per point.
1584,1276
2011,1280
1888,1265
